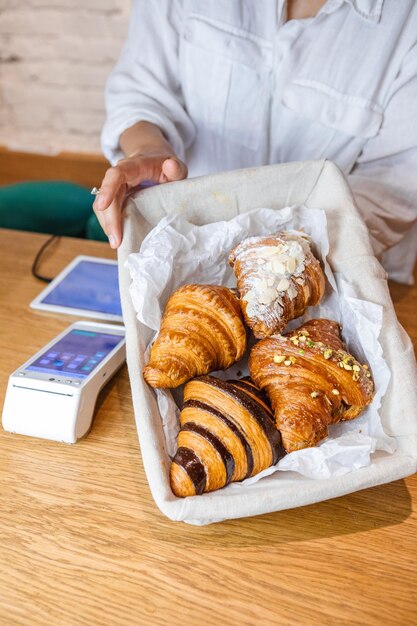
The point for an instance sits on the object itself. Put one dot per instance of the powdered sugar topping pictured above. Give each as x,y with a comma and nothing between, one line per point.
272,271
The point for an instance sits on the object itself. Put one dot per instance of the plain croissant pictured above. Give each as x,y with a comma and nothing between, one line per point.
277,277
227,434
202,330
311,381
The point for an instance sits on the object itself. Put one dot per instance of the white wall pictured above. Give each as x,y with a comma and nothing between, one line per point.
55,56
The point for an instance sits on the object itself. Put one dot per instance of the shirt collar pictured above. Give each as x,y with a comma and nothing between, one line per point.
370,10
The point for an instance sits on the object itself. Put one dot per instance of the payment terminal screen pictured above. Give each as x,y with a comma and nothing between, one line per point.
90,286
77,354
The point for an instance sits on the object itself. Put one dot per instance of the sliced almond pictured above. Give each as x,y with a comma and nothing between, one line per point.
261,285
268,251
291,265
278,267
283,284
249,295
268,295
292,291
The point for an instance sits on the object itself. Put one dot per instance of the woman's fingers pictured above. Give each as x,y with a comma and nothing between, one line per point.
131,172
111,218
127,174
173,169
113,179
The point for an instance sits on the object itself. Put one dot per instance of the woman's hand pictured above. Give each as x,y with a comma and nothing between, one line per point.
153,160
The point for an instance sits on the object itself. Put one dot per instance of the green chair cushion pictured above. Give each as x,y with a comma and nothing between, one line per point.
55,207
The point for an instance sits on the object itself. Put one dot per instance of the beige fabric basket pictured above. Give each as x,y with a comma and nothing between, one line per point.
316,184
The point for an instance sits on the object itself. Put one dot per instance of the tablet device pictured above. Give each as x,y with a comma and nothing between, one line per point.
88,286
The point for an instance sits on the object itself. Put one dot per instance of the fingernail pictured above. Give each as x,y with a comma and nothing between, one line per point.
112,241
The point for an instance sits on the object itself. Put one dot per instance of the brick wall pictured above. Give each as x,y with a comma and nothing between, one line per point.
55,56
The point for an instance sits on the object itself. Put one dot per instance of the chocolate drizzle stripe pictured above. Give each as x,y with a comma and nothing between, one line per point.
259,414
196,404
245,384
226,456
189,461
252,390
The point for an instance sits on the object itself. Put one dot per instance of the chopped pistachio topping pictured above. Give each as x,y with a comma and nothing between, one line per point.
335,392
310,343
305,333
287,362
292,359
314,394
327,354
301,351
279,359
356,368
347,367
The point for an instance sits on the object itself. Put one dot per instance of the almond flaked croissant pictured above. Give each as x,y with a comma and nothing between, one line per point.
227,434
277,277
202,330
311,381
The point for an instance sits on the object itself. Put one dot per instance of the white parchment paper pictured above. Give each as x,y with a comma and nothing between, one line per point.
176,252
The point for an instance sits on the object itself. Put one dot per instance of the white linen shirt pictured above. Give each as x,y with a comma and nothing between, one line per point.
232,84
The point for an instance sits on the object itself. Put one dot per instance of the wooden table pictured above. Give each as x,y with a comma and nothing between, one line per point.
82,542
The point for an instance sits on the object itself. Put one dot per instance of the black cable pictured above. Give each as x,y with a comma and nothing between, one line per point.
38,257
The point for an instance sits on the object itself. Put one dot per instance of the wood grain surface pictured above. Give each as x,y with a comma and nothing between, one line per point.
82,542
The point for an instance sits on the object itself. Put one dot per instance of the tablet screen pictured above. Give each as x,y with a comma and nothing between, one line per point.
77,354
89,286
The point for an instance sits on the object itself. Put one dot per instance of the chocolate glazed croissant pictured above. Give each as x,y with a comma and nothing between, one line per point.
277,278
227,434
311,381
202,330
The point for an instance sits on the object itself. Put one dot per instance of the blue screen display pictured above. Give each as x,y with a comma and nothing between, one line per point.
89,286
77,354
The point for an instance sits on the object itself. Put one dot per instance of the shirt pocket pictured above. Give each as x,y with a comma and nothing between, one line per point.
347,114
225,80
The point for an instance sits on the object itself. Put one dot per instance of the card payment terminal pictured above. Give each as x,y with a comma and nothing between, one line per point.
53,395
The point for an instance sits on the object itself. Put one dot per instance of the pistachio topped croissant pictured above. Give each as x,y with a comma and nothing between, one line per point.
202,330
311,381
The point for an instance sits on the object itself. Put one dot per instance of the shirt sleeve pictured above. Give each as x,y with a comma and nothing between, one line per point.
145,83
384,179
